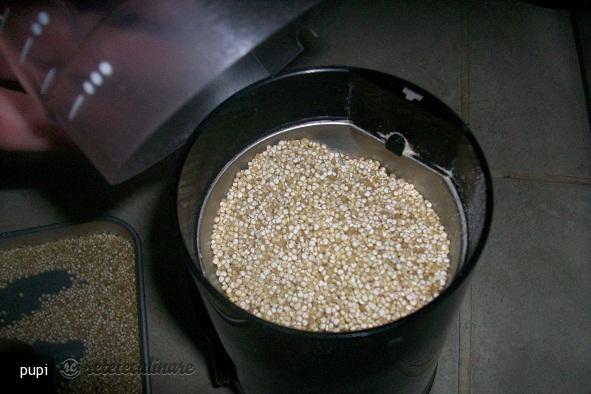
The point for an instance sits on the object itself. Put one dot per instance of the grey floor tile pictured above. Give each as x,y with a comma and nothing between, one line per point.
531,294
24,208
527,104
417,41
446,381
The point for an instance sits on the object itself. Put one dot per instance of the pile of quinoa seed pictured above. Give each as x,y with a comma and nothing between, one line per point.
100,308
319,241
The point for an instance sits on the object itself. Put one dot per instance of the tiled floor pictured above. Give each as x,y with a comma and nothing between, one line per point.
531,296
510,69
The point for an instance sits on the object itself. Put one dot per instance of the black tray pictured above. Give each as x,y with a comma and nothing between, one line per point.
57,279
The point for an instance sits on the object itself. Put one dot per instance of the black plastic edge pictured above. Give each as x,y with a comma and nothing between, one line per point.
582,33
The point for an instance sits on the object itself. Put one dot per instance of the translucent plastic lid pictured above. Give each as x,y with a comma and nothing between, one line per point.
130,80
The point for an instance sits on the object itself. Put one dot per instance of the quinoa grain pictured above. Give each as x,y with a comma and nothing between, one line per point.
320,241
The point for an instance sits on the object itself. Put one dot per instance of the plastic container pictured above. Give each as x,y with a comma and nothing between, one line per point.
130,80
53,279
360,112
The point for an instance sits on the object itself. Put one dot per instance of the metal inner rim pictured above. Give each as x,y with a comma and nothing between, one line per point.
344,137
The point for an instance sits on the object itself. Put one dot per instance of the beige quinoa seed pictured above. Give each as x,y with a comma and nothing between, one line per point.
316,240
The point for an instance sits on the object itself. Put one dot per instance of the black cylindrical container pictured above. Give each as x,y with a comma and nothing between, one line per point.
361,112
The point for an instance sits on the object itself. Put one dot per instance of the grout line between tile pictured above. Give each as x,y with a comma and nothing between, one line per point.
465,316
465,351
566,179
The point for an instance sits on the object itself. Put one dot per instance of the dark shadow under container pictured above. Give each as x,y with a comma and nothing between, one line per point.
362,113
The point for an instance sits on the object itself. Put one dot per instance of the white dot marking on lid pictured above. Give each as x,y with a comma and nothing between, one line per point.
88,87
43,18
96,78
36,29
105,68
